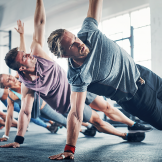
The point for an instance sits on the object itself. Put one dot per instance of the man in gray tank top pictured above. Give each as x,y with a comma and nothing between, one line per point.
38,72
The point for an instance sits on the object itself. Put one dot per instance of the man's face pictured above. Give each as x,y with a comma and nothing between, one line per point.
73,46
26,60
9,81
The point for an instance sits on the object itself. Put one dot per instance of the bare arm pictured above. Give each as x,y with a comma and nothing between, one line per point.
95,9
74,122
8,120
26,108
9,117
75,117
39,22
20,30
24,115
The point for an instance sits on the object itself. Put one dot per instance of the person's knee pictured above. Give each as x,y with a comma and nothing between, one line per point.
108,108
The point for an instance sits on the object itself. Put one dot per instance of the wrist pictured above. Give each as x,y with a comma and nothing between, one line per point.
21,34
19,139
69,148
4,136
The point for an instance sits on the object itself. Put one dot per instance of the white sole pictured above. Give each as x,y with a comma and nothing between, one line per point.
142,131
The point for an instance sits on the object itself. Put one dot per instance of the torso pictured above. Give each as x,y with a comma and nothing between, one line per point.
52,85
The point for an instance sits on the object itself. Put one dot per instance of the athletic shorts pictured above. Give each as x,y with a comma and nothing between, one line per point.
87,113
146,104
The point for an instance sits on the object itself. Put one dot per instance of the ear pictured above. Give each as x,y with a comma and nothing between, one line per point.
22,68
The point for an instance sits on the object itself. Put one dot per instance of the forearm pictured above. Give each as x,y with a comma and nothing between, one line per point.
3,115
22,43
95,9
39,16
2,122
8,123
23,122
73,127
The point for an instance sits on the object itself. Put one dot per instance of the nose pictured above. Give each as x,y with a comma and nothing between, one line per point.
12,78
78,44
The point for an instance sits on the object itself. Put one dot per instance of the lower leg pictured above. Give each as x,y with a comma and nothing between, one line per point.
113,113
105,127
39,122
49,113
116,115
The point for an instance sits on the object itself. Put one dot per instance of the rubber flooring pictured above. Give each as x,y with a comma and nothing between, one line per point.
39,144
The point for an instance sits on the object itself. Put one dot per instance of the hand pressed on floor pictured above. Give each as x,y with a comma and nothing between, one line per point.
11,145
64,155
3,139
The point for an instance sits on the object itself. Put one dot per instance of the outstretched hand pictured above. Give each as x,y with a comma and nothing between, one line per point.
3,139
64,155
11,145
20,26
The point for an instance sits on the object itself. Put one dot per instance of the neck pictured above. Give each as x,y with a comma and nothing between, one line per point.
30,75
78,62
17,88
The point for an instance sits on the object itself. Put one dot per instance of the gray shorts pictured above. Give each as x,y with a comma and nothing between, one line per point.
87,113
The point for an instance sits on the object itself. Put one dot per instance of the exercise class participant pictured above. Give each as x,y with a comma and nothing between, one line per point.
99,65
14,87
3,99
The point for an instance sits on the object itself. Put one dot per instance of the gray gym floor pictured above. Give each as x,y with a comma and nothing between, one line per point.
40,144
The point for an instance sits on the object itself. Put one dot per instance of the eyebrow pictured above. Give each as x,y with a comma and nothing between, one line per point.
74,41
22,56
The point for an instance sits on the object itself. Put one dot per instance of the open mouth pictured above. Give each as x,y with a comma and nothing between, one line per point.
82,49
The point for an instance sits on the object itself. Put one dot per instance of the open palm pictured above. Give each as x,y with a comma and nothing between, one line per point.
20,26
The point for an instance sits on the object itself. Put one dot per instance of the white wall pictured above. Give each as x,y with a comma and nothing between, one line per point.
71,13
75,16
156,35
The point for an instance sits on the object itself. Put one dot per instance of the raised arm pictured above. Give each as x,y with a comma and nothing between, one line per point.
39,22
74,122
24,116
95,9
20,30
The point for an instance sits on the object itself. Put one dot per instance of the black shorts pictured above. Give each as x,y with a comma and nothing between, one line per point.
147,101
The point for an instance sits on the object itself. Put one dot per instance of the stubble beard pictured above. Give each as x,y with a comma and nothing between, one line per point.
85,52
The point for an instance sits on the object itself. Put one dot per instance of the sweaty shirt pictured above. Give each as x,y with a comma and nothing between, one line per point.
52,84
108,69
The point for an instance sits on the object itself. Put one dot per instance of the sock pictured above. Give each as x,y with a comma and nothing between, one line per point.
89,126
133,124
83,130
126,137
